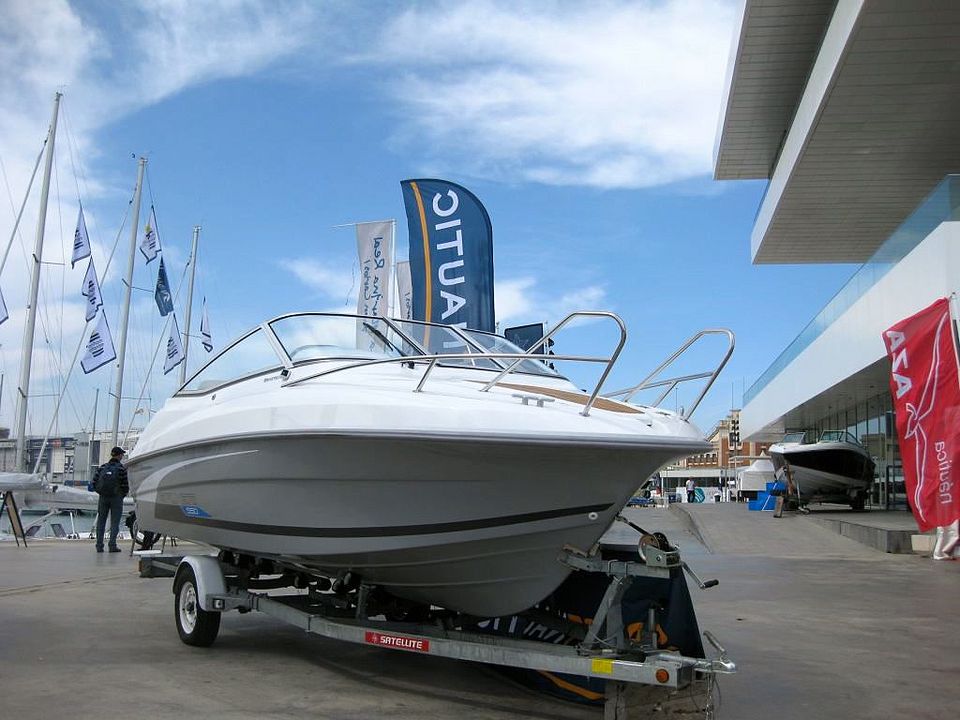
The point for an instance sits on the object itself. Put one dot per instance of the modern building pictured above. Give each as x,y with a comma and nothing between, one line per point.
851,110
67,460
57,462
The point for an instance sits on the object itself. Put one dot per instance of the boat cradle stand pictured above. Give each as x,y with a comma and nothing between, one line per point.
606,652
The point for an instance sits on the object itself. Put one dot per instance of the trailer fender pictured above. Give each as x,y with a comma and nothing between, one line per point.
209,578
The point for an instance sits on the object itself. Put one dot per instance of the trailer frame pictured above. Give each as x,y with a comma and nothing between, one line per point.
606,652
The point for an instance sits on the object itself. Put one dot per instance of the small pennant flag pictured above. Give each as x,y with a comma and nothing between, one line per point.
3,310
162,293
91,291
150,245
174,354
205,335
81,241
100,350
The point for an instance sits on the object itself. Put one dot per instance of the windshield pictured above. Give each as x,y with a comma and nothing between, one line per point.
310,337
317,337
797,437
497,344
251,355
441,340
838,436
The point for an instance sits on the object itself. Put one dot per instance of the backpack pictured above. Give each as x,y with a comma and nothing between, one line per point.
108,479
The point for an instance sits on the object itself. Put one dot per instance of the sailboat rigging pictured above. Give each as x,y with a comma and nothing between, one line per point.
26,476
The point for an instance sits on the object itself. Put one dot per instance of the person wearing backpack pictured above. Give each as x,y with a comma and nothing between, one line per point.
110,483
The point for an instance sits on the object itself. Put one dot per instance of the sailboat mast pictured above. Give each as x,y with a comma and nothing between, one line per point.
26,353
125,309
93,435
186,333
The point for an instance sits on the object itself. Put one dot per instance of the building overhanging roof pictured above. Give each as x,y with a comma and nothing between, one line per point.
870,382
856,145
769,65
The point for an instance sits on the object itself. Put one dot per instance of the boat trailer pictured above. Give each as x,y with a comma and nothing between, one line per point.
343,609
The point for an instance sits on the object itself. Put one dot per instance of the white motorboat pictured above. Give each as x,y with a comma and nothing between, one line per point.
444,465
835,468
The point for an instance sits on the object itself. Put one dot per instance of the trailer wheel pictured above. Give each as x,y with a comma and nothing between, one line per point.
196,626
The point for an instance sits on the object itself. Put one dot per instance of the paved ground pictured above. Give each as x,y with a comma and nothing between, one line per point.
820,626
886,519
730,529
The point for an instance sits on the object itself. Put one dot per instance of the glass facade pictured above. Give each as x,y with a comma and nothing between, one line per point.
941,205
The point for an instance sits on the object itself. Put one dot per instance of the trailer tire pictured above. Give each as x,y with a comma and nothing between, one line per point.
196,626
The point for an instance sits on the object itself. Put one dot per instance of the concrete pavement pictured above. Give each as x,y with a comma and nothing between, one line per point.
820,626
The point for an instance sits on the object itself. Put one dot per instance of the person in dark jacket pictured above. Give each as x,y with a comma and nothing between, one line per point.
110,483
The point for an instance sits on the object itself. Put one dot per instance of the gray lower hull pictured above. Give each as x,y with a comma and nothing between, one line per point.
471,525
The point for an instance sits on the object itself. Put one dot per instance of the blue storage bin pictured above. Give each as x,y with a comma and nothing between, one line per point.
763,502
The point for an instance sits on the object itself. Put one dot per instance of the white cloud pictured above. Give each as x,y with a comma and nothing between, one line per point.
153,49
334,283
607,94
180,43
522,300
513,299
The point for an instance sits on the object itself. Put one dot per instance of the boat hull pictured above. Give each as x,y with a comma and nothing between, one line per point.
471,524
825,471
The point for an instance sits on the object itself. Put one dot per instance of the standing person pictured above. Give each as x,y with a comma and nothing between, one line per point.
110,483
691,490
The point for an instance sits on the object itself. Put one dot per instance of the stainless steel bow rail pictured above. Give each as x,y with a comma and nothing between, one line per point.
345,609
482,353
654,381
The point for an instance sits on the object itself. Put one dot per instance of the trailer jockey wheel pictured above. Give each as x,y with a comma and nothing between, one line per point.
145,539
142,539
196,626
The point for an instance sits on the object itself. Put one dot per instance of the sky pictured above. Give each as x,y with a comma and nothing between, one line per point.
587,130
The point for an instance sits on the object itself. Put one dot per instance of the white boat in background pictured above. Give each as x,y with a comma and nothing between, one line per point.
53,496
48,509
835,468
20,482
445,466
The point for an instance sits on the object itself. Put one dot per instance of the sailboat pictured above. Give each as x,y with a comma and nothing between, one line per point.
32,488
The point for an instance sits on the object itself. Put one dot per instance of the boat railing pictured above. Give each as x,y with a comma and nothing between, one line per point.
653,380
542,343
517,358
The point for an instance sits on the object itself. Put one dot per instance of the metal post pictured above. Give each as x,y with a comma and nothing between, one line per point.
186,332
125,309
93,435
26,353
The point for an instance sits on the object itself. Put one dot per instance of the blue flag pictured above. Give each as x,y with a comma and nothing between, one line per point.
162,293
451,254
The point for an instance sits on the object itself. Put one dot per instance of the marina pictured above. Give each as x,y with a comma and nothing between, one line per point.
638,399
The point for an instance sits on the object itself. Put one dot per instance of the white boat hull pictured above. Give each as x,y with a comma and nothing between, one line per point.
472,524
